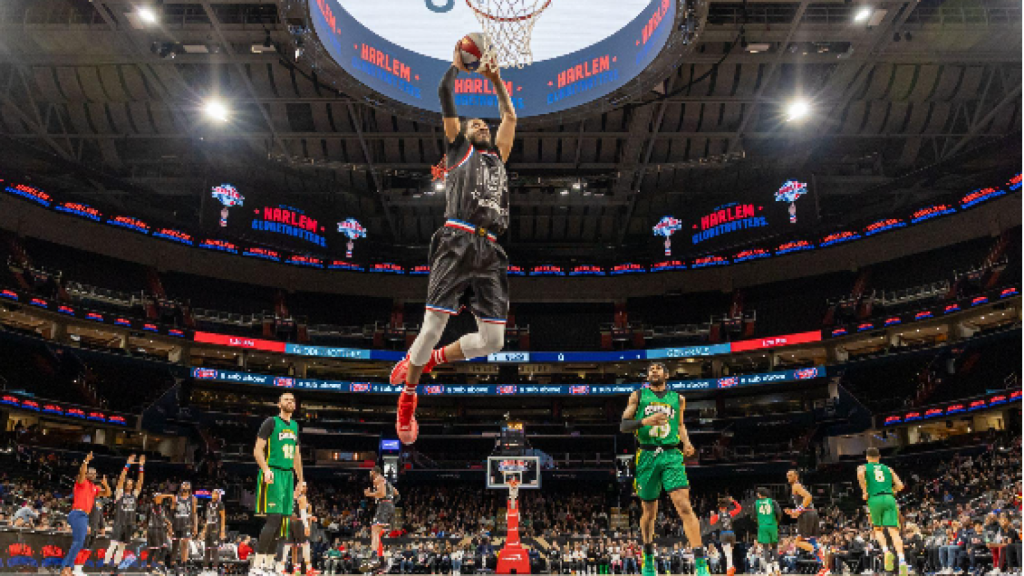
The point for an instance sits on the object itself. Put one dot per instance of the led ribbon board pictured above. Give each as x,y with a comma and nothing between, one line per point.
582,50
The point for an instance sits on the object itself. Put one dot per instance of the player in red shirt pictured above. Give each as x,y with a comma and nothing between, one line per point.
85,493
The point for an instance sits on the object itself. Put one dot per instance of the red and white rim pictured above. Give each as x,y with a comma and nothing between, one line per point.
516,19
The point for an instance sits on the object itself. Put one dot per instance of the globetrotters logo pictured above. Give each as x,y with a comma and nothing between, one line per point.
284,382
506,389
432,390
204,373
21,555
728,382
579,389
360,386
806,374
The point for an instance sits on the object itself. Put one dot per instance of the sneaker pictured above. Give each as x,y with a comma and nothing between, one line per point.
405,423
702,567
648,567
904,569
400,372
731,571
890,560
824,571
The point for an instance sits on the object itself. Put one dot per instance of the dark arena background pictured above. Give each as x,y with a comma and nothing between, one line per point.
808,212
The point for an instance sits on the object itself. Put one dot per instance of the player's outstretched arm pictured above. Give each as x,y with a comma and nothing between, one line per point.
507,129
446,93
124,475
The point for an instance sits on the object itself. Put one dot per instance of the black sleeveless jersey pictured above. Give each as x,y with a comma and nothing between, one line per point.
476,186
799,501
213,514
157,516
125,509
182,508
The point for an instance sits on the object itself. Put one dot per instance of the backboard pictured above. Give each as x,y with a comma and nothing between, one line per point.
500,469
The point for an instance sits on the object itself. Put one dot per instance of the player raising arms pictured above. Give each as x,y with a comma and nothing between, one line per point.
808,528
655,415
879,484
126,505
464,253
277,454
385,494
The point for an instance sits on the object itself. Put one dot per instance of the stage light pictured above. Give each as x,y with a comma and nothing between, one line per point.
147,14
797,110
216,110
439,186
563,192
863,14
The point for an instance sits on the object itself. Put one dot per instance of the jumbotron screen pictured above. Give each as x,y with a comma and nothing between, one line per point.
582,50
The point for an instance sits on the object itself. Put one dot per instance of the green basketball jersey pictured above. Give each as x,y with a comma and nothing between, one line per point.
281,444
650,404
879,478
766,513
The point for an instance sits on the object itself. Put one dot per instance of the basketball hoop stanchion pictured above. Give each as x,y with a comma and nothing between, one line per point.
513,558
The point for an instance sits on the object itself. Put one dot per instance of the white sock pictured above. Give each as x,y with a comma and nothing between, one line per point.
119,555
110,554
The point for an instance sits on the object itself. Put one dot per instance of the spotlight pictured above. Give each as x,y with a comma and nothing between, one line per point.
439,186
147,14
863,14
216,110
797,110
563,192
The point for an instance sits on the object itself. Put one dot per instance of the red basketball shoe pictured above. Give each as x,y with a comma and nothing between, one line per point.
405,424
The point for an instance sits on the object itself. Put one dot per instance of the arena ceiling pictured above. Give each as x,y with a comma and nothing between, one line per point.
92,100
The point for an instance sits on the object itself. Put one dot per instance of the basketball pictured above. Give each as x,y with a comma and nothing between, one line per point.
472,48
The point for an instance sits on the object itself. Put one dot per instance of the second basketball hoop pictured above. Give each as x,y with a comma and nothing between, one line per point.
508,26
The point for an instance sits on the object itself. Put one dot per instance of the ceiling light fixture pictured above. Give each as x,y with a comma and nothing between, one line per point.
216,110
147,14
797,110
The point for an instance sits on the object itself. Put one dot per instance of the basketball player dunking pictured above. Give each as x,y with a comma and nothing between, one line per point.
464,253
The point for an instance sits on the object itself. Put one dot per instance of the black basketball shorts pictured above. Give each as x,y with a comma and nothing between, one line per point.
461,260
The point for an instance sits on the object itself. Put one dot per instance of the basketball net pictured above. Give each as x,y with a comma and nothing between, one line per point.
513,488
508,26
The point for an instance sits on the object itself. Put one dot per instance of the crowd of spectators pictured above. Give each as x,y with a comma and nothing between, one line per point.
961,515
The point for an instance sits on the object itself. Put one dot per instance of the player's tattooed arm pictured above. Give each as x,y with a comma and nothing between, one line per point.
446,93
507,129
862,481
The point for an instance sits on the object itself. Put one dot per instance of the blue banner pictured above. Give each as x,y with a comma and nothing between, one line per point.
213,374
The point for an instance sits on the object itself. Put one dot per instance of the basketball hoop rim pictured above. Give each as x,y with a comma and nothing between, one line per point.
519,19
